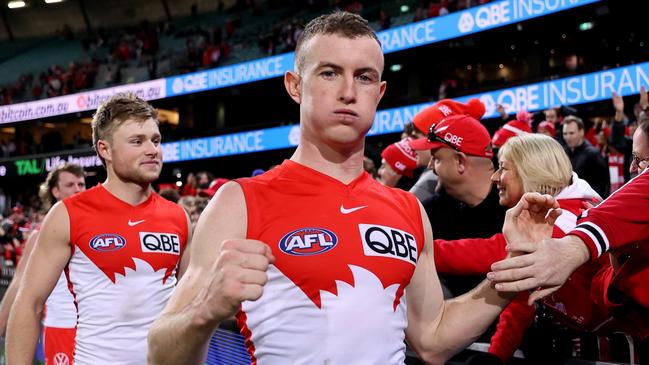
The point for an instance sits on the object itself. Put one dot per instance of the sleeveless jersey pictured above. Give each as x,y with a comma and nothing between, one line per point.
60,311
344,255
121,271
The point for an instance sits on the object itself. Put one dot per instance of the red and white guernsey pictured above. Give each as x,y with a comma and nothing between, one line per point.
60,311
121,272
344,255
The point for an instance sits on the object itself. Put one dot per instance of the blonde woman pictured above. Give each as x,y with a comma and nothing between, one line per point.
530,163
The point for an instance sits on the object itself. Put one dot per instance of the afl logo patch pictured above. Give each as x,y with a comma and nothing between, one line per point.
308,241
107,242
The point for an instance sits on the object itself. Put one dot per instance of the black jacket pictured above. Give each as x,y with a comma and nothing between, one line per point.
590,165
452,219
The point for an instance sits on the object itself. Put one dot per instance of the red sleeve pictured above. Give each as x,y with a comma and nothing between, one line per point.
619,220
512,324
469,256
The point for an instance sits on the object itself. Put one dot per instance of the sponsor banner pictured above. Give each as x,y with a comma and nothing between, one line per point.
43,165
88,100
232,144
574,90
261,69
147,90
477,19
417,34
59,105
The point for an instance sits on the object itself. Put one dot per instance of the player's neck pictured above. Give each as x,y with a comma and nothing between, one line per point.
343,165
128,192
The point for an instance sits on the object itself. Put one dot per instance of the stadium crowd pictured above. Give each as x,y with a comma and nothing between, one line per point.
206,46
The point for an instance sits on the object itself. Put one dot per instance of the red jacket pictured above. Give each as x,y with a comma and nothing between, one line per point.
475,256
621,225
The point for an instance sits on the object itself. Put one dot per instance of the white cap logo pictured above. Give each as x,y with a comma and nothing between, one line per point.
445,110
466,22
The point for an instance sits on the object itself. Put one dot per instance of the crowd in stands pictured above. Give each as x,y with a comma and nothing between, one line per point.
206,46
24,144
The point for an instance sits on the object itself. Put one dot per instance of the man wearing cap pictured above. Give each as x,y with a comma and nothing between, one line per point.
466,203
398,160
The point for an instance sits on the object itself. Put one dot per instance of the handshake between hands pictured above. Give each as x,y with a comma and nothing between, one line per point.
535,261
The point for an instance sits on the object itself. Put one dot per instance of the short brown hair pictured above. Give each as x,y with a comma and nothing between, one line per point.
52,180
574,119
341,23
115,111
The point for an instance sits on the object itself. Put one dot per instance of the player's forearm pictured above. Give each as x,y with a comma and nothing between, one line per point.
464,319
22,333
180,338
5,306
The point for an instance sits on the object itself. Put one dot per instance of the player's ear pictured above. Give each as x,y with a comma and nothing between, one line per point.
103,150
292,84
382,86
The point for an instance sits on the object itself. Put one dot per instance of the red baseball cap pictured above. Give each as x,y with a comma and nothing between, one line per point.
462,133
509,130
445,108
401,157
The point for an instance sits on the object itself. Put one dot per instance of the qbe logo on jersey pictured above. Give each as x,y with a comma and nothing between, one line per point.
157,242
388,242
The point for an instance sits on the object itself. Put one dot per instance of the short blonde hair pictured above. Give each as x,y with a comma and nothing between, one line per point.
541,163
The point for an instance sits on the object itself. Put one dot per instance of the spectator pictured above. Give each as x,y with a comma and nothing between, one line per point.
510,129
370,167
398,160
547,128
531,163
384,20
466,202
552,116
170,194
586,160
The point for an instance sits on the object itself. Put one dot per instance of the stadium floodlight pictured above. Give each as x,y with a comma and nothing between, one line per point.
586,26
395,68
16,4
405,8
52,1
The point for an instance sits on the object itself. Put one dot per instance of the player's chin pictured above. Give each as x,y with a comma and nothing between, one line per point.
148,175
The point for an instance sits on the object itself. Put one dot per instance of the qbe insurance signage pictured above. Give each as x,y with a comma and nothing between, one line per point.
477,19
574,90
